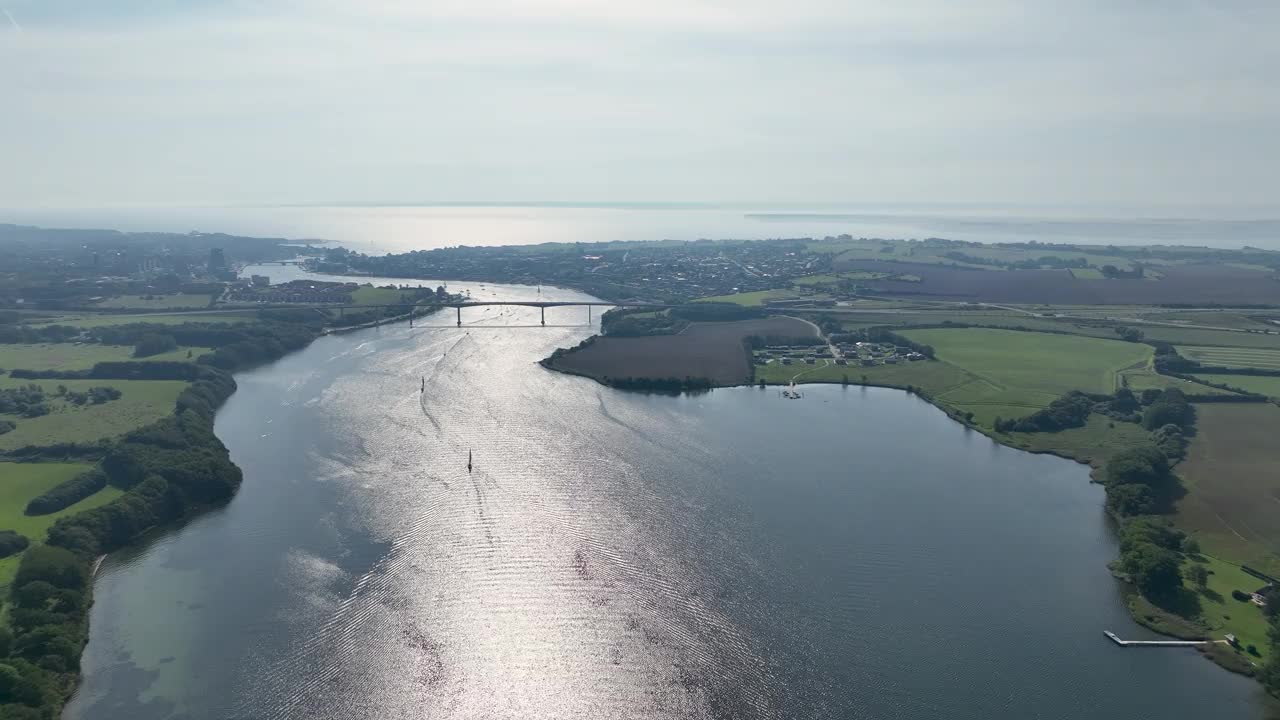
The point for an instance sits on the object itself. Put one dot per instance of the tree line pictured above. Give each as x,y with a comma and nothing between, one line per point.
660,385
168,469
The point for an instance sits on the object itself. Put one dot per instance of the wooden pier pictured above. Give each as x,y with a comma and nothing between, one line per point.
1158,643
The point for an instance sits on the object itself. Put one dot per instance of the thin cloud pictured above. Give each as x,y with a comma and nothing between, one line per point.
12,22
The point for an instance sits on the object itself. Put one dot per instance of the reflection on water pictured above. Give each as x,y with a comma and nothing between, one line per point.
852,555
402,229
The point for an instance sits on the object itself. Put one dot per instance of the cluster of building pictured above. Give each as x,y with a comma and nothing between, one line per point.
864,354
295,291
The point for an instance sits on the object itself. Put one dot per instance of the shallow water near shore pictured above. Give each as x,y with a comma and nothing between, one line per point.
854,554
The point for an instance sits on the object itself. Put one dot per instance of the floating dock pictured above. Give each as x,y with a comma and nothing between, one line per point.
1157,643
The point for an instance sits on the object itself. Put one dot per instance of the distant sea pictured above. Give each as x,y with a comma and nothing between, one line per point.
383,229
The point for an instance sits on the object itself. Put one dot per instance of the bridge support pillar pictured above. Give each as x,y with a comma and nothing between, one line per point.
410,318
544,314
588,316
459,316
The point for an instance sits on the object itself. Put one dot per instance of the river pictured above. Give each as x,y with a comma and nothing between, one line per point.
854,554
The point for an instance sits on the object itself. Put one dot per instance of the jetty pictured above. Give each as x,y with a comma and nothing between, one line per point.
1158,643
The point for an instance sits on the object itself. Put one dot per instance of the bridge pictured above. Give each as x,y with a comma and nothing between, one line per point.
456,304
541,304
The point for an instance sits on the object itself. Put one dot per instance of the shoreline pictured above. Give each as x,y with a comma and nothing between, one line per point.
1229,663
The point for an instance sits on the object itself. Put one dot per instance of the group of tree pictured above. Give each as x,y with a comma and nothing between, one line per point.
29,335
1151,555
640,322
716,312
1044,261
1111,272
92,396
1069,411
154,344
660,385
1072,410
1139,481
48,599
12,542
1167,407
885,336
66,494
27,401
1129,334
118,370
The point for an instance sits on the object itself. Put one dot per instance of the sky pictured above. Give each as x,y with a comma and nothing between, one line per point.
804,102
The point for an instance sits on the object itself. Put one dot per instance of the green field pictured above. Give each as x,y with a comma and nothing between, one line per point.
1235,357
1217,318
932,377
1260,384
142,402
71,356
157,302
1197,336
19,484
1140,379
1232,486
1099,439
1222,613
92,320
752,299
1024,371
60,356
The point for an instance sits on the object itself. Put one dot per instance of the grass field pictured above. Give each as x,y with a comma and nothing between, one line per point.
1222,613
70,356
1196,336
91,320
157,302
1099,439
1217,319
142,402
1236,357
1024,371
752,299
19,483
1139,379
1260,384
1233,489
60,356
931,376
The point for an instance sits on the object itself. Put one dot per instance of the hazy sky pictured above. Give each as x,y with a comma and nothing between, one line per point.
280,101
